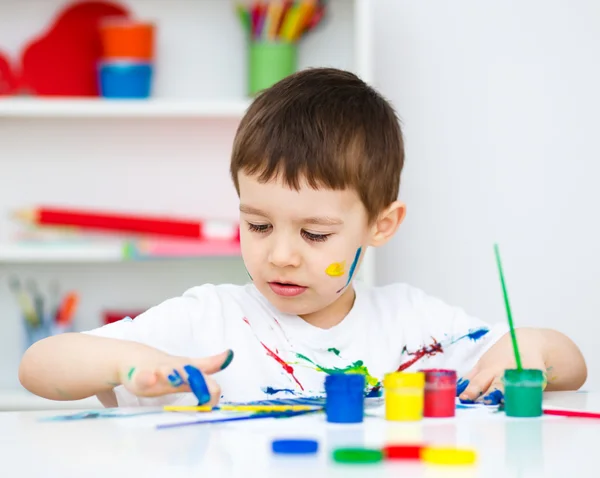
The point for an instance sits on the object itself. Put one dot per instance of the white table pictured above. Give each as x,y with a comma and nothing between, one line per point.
550,446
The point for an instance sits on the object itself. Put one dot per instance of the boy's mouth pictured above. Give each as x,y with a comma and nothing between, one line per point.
286,289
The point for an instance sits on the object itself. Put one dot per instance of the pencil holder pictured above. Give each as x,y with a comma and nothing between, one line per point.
269,62
35,331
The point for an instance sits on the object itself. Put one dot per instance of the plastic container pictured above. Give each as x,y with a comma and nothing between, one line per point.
440,393
123,38
404,396
125,79
345,402
269,62
523,392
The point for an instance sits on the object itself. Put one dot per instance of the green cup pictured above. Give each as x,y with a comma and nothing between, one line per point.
523,392
269,62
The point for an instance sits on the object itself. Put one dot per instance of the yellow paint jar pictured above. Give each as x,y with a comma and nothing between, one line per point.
404,395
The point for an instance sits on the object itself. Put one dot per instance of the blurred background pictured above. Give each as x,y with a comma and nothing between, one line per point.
116,124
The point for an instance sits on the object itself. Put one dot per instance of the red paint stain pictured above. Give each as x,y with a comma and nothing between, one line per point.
428,350
288,368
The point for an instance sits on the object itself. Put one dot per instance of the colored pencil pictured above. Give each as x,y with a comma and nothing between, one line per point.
140,224
256,416
571,413
242,408
513,335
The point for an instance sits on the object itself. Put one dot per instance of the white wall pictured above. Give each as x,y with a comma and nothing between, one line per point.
501,109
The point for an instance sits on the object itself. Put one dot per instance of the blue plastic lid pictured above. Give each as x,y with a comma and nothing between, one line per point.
295,447
345,380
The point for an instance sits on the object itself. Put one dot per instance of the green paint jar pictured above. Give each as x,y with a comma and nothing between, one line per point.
523,392
269,62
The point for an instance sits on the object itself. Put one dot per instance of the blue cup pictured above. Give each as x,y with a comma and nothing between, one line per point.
125,79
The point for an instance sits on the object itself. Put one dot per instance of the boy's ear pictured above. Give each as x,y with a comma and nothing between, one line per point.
387,223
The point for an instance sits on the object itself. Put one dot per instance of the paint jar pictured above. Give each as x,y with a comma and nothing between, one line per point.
440,393
126,38
404,395
523,392
345,401
269,62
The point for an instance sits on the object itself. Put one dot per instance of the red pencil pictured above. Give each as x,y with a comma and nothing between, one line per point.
110,221
571,413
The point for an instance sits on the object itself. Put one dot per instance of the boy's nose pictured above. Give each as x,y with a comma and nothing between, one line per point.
283,254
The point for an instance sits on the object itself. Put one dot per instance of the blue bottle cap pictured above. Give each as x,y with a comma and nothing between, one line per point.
295,447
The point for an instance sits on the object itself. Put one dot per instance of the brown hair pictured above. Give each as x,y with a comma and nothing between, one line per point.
328,127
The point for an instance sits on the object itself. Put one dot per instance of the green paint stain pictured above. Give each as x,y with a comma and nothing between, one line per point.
130,373
355,367
334,351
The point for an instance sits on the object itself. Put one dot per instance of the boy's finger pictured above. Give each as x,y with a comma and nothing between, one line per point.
215,391
214,364
495,392
145,379
476,387
463,382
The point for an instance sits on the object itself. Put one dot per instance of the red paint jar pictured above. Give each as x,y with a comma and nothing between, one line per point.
440,393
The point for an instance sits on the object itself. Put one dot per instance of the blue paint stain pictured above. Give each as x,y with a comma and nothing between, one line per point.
352,268
175,379
494,398
460,406
474,335
467,401
273,391
461,386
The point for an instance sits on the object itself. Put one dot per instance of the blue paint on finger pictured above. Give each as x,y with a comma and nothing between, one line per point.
466,401
197,384
494,398
461,386
175,379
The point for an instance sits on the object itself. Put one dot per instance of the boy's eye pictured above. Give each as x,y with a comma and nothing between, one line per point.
315,237
258,227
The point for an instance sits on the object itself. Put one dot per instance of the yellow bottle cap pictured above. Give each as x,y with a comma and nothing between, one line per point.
448,456
404,379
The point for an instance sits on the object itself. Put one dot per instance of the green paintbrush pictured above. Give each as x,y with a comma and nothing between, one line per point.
513,335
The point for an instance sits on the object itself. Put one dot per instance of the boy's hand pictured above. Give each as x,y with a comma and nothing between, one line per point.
170,374
486,378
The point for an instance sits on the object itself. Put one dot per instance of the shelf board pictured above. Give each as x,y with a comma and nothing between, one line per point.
35,107
104,253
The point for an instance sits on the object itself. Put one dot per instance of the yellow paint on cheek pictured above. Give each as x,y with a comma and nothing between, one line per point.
336,269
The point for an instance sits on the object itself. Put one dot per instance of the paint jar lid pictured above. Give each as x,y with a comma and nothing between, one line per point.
448,456
404,379
402,452
295,447
524,377
348,381
436,375
357,455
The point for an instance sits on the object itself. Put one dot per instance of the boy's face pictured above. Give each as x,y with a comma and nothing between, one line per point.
301,248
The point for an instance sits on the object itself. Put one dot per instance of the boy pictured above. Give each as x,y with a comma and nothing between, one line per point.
316,163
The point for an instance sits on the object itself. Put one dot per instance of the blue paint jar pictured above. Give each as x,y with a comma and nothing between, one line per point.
125,79
345,401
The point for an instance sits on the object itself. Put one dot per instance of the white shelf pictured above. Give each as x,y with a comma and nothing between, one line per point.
93,253
26,107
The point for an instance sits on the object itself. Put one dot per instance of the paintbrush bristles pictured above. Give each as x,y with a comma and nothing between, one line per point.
513,335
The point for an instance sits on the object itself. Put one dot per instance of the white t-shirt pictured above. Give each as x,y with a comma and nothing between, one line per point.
280,356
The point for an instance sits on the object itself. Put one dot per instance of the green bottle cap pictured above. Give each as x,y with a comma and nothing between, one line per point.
357,455
523,392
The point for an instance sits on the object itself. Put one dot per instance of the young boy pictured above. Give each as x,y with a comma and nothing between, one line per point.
316,163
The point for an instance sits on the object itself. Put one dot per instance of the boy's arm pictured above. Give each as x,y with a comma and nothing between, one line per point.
74,366
544,349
